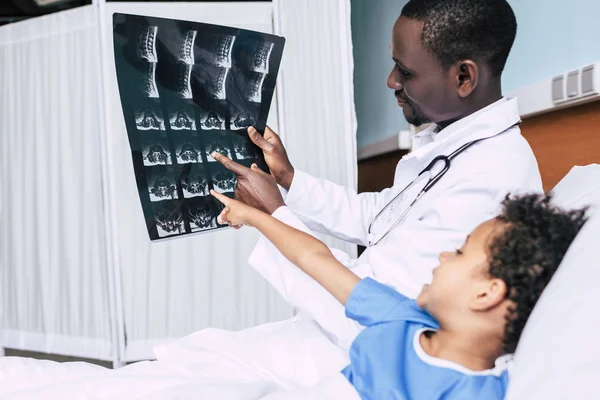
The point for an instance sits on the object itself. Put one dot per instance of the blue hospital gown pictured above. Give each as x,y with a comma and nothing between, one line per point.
387,361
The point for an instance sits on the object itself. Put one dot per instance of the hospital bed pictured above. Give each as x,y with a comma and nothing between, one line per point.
557,358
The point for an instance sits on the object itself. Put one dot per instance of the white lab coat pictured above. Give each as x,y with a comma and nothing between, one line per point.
314,344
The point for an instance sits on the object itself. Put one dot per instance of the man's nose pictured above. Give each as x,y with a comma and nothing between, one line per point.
393,82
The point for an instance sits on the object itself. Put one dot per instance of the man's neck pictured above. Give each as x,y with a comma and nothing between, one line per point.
474,351
480,100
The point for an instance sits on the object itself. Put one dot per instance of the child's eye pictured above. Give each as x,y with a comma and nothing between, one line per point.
459,252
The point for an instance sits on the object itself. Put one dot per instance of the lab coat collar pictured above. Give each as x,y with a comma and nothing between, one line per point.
487,122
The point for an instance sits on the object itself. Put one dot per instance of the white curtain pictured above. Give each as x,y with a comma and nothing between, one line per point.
176,287
317,98
53,285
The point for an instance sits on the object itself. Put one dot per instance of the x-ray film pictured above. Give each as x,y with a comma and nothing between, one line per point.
189,89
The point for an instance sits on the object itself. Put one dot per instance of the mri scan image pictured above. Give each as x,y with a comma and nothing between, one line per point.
182,119
249,84
201,214
262,53
168,219
189,89
241,120
155,151
187,150
149,118
243,148
254,55
194,182
217,144
215,49
223,180
148,80
211,120
161,185
211,80
186,48
146,44
183,75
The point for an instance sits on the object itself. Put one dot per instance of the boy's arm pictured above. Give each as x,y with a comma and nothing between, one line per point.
309,254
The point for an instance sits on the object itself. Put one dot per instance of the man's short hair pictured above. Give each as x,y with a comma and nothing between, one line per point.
454,30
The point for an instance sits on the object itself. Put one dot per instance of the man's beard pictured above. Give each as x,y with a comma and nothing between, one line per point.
416,117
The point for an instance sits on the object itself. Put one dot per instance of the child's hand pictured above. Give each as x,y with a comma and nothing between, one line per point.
235,213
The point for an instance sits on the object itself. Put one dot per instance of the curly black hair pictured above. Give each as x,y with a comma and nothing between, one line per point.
454,30
527,253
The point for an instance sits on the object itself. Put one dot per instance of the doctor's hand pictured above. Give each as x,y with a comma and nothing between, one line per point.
275,155
254,187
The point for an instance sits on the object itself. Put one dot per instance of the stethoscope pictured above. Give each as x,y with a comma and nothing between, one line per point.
384,221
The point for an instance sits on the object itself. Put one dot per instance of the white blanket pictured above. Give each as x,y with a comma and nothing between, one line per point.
24,378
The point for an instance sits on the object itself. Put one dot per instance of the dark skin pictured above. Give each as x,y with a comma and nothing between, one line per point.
424,89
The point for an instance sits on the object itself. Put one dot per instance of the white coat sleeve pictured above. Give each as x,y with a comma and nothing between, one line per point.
328,208
299,289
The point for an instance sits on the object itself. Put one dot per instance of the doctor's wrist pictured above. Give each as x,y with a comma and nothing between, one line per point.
285,179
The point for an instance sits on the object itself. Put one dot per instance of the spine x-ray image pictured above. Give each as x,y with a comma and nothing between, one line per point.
194,182
211,120
187,147
186,48
249,84
148,117
161,184
201,212
241,120
223,180
244,149
187,90
168,219
216,143
254,55
182,74
210,80
155,150
215,49
181,119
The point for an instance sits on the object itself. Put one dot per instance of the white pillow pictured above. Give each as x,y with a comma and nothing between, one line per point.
580,187
558,356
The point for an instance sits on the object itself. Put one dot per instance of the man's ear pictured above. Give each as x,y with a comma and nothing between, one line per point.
467,77
488,295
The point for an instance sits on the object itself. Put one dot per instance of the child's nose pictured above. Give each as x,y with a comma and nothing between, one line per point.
444,256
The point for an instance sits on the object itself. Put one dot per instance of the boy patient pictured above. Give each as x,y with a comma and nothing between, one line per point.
449,342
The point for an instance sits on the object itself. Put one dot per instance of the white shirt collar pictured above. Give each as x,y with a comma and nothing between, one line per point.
502,364
487,122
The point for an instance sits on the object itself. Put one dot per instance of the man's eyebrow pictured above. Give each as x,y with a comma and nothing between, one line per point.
400,63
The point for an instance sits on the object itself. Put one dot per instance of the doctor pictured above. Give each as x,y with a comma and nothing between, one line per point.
448,59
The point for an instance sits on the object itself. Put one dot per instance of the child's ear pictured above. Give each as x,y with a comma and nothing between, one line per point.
488,295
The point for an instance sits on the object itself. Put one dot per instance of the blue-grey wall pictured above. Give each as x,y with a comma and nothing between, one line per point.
377,113
553,36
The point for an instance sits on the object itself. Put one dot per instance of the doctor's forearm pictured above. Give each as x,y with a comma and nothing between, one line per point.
309,254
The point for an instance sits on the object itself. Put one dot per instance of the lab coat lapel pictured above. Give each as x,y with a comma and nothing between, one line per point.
490,121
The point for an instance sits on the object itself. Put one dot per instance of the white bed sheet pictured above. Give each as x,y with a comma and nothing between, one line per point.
177,376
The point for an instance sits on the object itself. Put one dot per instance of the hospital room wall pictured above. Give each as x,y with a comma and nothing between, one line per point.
553,37
377,113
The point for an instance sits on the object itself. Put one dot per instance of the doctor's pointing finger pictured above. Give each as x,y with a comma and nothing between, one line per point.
254,187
